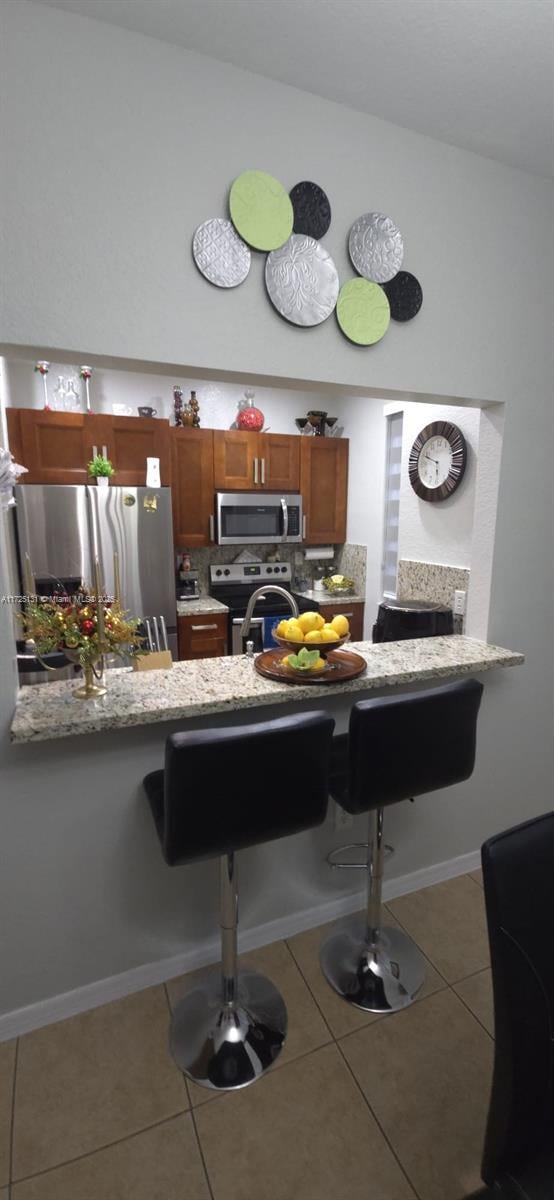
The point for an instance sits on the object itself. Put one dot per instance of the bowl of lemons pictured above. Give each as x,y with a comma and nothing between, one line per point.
310,631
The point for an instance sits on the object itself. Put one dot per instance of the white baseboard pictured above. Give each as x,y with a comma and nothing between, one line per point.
68,1004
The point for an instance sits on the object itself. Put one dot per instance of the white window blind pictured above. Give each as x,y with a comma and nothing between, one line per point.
392,503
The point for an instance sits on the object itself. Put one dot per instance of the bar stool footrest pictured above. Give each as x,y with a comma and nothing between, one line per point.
354,866
227,1046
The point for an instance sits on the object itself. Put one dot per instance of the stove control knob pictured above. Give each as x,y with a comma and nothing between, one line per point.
218,572
269,570
283,570
226,571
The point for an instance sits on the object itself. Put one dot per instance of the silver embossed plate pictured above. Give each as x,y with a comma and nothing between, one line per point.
302,280
220,254
375,246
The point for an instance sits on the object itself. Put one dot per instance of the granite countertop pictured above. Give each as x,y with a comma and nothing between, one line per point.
200,605
215,685
325,597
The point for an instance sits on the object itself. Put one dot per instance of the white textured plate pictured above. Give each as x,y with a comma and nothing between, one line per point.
220,254
302,280
375,246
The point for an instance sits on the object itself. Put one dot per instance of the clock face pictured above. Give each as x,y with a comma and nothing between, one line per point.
437,461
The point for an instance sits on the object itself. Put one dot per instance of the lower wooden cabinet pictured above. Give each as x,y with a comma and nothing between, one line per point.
203,635
354,612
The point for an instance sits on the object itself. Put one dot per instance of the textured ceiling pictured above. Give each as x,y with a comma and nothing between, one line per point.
474,73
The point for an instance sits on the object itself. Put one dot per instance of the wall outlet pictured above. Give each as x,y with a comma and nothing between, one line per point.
459,603
343,819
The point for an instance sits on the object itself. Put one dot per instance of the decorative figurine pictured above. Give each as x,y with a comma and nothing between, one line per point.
195,407
250,417
178,404
43,368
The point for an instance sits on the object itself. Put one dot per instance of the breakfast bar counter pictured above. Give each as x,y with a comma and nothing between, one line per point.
217,685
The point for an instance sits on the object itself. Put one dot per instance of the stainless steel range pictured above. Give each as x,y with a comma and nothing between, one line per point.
234,583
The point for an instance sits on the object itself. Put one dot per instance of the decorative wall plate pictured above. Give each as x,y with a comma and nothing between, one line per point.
312,211
260,210
220,254
405,296
363,311
375,246
302,281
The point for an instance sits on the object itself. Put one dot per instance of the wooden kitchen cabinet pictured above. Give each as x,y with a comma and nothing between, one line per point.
56,446
129,441
203,635
192,473
354,612
245,461
324,487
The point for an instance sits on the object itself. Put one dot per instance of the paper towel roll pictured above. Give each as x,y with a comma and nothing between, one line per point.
319,552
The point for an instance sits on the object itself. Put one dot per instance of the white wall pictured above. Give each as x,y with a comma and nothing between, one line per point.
442,532
104,180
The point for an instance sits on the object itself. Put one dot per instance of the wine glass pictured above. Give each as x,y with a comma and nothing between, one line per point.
330,422
301,423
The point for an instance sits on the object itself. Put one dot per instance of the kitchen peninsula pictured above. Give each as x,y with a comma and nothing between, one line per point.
229,685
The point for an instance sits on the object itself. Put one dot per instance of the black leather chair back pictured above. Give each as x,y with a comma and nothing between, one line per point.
228,788
404,746
518,873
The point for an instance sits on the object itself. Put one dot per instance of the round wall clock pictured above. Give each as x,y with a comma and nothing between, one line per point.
437,461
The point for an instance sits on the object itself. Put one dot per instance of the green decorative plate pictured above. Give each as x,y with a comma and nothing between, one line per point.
261,210
363,311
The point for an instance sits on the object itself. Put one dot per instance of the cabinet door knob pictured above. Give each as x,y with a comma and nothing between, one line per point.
304,527
95,451
263,470
105,451
202,628
212,528
255,470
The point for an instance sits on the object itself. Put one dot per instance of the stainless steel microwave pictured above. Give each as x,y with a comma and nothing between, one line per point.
247,517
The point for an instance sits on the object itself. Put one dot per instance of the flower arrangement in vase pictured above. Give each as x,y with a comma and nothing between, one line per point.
101,469
83,628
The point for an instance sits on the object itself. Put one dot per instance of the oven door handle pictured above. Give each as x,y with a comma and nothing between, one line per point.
285,509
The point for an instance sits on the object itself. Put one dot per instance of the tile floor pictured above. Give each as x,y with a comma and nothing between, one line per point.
384,1108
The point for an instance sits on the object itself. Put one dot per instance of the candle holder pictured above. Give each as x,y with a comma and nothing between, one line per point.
89,690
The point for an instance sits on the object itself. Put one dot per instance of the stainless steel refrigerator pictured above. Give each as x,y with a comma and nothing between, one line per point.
63,528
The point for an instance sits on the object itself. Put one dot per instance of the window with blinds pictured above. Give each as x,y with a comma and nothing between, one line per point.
392,503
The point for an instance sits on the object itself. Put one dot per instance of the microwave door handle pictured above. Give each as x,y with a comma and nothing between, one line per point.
285,509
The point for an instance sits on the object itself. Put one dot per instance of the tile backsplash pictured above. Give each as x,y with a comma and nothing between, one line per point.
349,560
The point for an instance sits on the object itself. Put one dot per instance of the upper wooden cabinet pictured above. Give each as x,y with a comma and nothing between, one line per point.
56,446
192,461
245,461
324,487
129,441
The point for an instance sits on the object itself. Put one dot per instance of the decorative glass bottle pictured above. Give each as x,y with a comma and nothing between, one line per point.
250,417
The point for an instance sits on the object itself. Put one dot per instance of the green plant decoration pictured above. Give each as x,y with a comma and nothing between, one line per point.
100,466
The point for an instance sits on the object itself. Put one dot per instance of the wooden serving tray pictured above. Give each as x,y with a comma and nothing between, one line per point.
342,665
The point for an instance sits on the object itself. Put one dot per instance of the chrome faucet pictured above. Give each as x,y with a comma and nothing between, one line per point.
259,594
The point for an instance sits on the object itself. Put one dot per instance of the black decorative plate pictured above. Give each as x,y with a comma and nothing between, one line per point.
312,211
405,296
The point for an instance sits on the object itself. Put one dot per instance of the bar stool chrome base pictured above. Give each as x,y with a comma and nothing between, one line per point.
378,976
225,1046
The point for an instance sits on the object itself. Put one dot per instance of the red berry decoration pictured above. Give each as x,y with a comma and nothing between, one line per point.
87,627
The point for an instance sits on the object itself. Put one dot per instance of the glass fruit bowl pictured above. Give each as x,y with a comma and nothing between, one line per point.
323,647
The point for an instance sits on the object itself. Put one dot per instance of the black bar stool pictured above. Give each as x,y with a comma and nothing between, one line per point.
397,747
221,791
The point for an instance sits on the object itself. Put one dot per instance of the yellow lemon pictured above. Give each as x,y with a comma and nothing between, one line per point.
340,624
293,632
313,636
309,621
328,634
320,621
318,666
281,629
